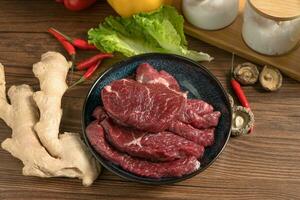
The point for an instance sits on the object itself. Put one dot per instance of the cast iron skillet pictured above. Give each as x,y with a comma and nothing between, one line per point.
192,77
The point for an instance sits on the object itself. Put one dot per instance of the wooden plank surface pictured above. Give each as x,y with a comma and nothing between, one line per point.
230,39
264,165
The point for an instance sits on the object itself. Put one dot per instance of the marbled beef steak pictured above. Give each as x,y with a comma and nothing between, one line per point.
196,114
176,168
162,146
193,109
148,107
204,137
145,73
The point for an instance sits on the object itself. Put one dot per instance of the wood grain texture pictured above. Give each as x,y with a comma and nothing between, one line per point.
230,39
278,9
264,165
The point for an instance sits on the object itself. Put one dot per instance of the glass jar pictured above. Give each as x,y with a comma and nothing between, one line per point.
269,36
210,14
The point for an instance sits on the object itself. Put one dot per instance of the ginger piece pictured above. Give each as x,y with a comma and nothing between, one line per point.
36,140
52,71
36,160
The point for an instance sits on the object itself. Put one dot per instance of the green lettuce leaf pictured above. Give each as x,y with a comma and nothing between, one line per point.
158,31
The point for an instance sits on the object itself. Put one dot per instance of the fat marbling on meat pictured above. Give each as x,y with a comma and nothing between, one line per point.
162,146
149,107
176,168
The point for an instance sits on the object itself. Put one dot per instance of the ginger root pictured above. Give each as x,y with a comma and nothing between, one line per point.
35,137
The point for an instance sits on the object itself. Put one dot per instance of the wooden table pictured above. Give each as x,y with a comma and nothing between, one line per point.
264,165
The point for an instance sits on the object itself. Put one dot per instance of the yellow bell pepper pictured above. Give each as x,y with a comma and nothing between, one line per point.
126,8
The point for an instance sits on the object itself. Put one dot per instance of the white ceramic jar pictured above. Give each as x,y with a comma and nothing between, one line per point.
268,36
210,14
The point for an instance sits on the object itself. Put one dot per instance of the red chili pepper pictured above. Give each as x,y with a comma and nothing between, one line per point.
83,44
67,45
92,61
239,93
241,96
77,42
58,36
87,74
76,5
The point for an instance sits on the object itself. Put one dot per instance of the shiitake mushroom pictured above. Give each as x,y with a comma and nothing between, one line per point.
270,78
246,73
242,121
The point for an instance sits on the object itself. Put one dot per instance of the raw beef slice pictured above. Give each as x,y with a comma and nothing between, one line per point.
194,109
203,137
206,121
162,146
145,73
176,168
149,107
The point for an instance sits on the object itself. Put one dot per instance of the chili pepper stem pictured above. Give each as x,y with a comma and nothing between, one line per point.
67,45
81,80
87,74
68,38
73,59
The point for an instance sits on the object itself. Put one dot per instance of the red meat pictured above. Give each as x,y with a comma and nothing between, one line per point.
148,107
203,137
145,73
162,146
176,168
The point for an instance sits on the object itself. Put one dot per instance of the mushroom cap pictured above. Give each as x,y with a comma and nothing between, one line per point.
231,100
242,121
246,73
270,78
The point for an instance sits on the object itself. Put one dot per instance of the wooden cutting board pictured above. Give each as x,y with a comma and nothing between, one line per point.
230,39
